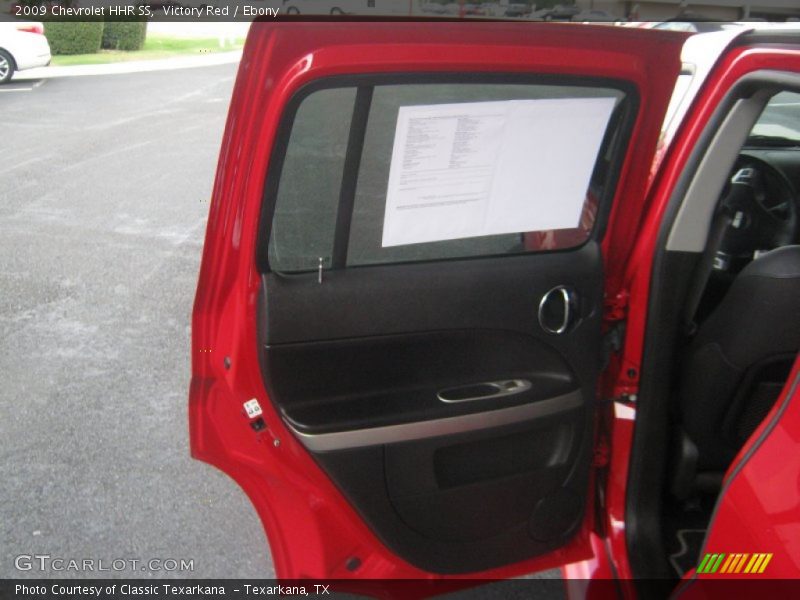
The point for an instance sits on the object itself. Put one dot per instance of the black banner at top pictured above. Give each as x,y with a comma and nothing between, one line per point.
617,12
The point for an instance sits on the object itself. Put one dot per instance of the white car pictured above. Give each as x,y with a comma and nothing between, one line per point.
347,7
22,46
323,7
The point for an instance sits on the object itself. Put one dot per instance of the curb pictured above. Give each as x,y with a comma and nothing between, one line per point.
133,66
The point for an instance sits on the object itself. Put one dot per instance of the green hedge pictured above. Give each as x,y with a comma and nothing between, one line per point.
124,35
74,37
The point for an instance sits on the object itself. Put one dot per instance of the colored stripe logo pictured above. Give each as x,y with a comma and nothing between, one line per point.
753,564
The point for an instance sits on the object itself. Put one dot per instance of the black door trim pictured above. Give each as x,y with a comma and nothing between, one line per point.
352,162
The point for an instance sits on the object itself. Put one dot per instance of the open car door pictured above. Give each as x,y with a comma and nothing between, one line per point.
397,330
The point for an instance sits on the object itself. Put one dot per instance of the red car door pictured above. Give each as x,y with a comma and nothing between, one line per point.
397,328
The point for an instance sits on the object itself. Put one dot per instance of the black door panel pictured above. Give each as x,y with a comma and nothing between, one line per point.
382,381
505,514
357,366
500,293
440,488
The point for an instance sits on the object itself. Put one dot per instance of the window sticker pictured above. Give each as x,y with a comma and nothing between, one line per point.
485,168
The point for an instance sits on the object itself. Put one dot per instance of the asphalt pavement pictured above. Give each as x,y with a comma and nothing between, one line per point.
103,204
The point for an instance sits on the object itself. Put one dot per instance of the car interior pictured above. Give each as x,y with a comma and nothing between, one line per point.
735,318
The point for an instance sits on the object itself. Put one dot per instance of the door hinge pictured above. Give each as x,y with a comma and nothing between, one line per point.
614,312
612,343
616,309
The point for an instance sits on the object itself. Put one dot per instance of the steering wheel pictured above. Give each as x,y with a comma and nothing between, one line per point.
763,208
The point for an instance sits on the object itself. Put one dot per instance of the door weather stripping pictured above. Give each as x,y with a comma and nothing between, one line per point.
406,432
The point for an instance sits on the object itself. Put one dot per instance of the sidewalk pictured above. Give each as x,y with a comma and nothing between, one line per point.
133,66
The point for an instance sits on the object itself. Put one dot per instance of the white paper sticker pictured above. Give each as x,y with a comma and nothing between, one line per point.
484,168
253,408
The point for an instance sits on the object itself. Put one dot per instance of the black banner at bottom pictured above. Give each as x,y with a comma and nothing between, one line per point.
247,589
460,589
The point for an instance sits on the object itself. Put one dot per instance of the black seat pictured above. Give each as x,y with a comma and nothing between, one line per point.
738,362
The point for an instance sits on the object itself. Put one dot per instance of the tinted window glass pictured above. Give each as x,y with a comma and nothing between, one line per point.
304,224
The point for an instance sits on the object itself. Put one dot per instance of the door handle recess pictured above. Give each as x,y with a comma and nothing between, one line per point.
557,310
484,391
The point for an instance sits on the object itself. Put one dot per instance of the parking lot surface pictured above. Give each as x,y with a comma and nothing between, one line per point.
103,203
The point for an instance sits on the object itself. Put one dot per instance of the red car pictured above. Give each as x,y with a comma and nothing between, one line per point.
451,322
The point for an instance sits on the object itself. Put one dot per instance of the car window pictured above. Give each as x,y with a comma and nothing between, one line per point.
310,189
676,26
780,120
305,220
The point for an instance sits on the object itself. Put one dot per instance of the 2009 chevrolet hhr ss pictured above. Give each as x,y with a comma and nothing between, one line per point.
484,298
